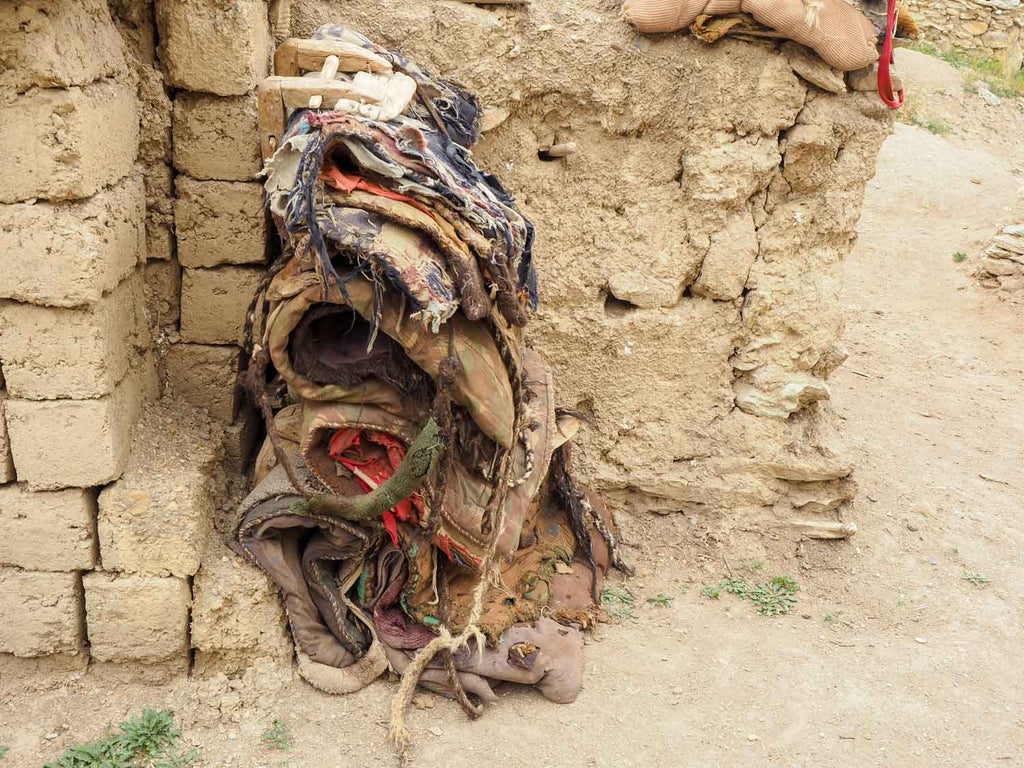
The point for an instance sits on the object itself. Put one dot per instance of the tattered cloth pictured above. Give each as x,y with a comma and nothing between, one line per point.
415,480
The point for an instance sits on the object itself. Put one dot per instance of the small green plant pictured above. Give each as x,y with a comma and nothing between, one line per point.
278,736
833,616
618,602
4,751
977,579
772,598
661,600
734,585
959,257
752,565
149,740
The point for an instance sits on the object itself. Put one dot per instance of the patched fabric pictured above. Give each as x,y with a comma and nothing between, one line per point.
414,482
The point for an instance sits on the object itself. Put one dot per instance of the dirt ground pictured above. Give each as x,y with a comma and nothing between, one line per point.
890,657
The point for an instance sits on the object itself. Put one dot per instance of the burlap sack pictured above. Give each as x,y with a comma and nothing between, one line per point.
835,30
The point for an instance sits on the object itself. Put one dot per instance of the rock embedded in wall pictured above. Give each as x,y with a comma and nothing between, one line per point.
1002,262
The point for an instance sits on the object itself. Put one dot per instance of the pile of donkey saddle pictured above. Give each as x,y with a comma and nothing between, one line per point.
413,498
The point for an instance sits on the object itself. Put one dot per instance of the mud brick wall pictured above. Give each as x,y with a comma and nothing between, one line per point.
987,28
690,257
131,236
74,344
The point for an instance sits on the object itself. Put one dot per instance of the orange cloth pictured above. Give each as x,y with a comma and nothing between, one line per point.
347,182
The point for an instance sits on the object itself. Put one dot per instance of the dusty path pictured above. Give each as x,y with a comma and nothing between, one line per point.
913,666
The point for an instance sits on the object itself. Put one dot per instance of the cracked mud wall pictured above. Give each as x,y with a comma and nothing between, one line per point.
689,253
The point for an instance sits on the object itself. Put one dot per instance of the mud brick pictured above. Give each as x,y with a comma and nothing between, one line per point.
52,353
62,144
69,254
77,443
221,48
136,618
54,43
214,303
47,531
41,612
220,222
203,375
215,137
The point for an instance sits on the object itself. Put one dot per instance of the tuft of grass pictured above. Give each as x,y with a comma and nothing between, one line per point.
618,602
911,115
977,579
4,751
771,598
959,257
752,565
661,600
977,68
149,740
278,736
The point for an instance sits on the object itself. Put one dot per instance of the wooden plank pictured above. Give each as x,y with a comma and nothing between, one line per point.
296,91
296,55
272,116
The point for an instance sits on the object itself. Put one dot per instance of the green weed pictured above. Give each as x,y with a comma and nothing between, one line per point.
959,257
752,565
771,598
618,602
4,751
278,736
977,579
144,741
734,585
774,598
661,600
833,616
